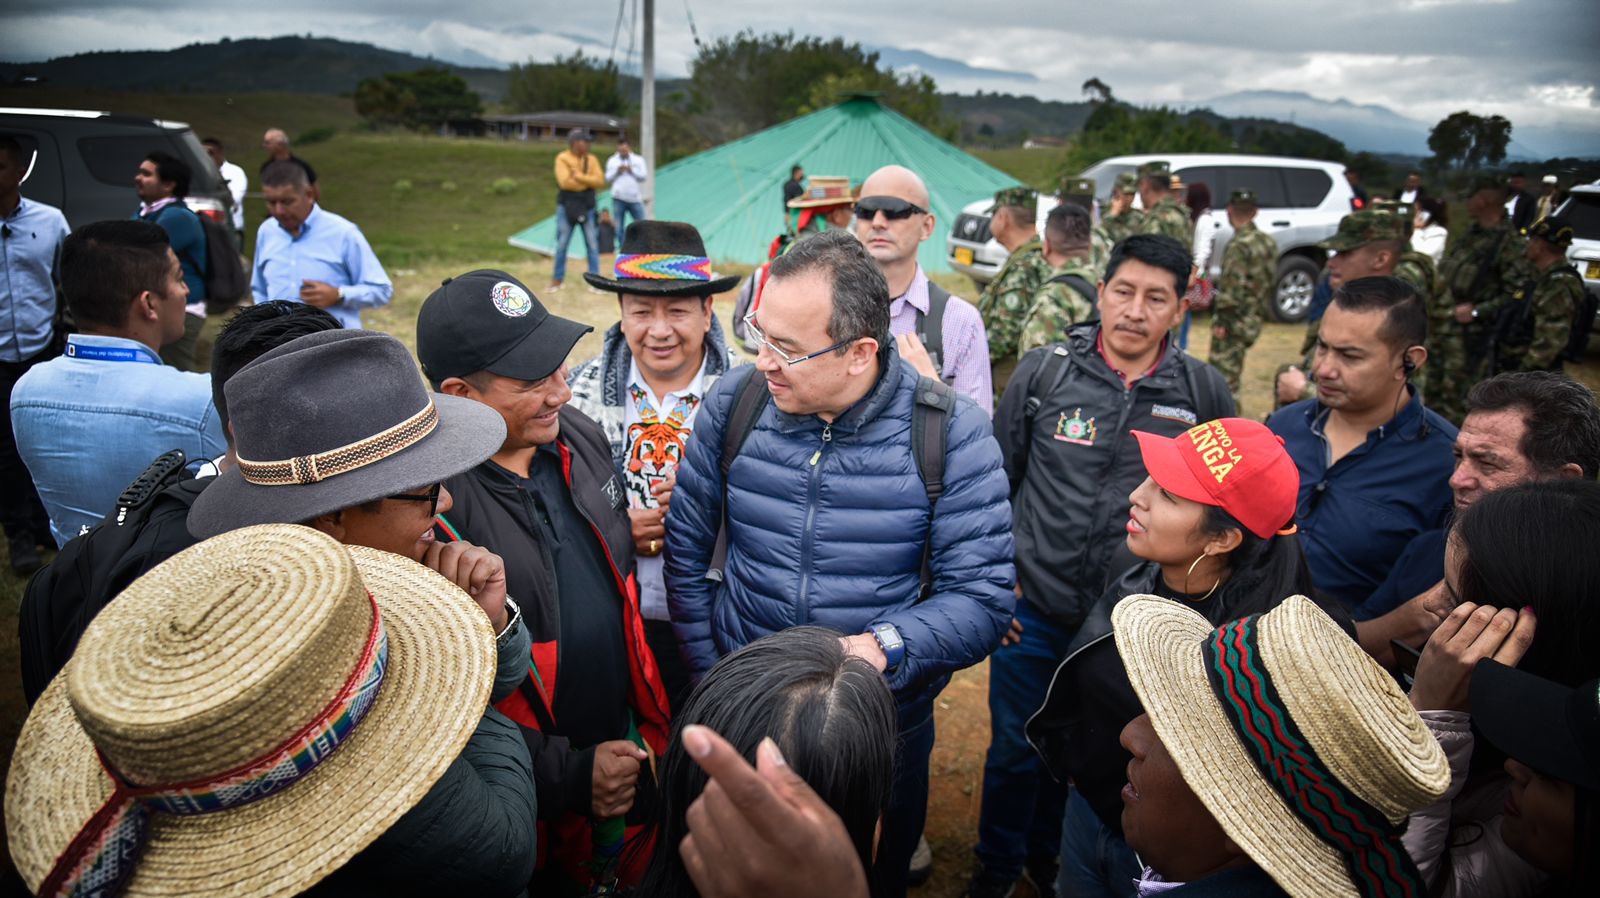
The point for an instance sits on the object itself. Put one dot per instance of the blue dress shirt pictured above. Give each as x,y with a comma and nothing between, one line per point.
330,249
1358,515
89,422
30,253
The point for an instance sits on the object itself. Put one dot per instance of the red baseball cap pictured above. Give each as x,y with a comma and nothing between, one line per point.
1233,463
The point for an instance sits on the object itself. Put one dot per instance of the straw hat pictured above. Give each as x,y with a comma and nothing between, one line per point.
825,190
1357,749
251,668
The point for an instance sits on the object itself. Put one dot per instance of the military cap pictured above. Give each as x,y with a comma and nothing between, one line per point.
1024,197
1557,232
1127,182
1361,228
1158,170
1484,182
1242,196
1076,187
1394,207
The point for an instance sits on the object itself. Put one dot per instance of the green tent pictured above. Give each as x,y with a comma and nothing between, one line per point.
734,193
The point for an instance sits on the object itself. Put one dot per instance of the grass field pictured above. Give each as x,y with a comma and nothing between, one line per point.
432,210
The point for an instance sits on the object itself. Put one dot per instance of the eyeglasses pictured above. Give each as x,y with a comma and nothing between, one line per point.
761,337
892,207
431,497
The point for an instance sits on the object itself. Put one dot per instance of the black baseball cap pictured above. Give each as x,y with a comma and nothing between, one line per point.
1545,725
487,320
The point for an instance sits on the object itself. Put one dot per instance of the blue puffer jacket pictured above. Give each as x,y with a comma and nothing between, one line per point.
839,543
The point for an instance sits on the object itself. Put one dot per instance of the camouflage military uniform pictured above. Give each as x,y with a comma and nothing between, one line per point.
1056,307
1116,227
1463,349
1537,340
1099,253
1249,268
1005,302
1170,219
1417,270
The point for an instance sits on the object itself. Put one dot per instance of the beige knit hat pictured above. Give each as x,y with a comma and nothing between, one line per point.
1301,747
271,702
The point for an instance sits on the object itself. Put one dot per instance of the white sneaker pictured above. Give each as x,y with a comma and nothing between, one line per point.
921,863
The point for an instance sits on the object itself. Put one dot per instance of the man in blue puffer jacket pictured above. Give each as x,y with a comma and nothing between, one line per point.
827,516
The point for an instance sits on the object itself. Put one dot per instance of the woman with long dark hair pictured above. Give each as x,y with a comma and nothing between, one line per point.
1521,567
830,714
1212,525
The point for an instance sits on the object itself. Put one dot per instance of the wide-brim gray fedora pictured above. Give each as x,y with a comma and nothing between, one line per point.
336,419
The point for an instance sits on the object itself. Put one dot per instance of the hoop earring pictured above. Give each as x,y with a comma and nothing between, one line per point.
1192,564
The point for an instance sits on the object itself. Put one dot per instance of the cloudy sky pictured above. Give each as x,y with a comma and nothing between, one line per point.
1535,61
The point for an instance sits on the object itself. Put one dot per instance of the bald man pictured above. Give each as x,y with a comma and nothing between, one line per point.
276,143
939,334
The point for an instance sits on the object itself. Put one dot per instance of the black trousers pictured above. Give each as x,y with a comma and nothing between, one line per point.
21,513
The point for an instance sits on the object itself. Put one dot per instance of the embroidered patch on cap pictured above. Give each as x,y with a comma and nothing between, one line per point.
510,299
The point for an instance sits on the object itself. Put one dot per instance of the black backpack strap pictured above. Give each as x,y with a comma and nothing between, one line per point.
930,327
930,424
749,400
1078,283
1051,374
1207,397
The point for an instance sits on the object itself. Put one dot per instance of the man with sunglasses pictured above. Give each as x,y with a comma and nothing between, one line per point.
550,501
825,518
939,334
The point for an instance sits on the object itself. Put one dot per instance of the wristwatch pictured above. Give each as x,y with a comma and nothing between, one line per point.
341,294
504,636
894,649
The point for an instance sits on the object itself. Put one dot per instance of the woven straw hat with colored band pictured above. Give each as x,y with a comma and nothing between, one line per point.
1287,691
825,190
231,655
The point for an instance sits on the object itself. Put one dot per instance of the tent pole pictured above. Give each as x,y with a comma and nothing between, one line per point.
647,107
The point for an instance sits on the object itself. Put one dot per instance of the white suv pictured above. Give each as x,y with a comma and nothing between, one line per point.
1301,200
1581,209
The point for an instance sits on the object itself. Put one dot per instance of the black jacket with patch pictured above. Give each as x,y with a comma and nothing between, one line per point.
1073,460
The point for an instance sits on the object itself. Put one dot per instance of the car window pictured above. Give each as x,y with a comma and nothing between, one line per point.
1105,177
1582,210
114,160
1308,187
1212,177
42,179
1266,181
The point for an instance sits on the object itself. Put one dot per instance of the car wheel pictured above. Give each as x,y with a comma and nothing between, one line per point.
1297,280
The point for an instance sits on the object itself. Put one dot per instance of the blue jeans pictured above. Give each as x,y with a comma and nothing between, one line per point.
908,804
591,242
1020,817
1095,862
620,210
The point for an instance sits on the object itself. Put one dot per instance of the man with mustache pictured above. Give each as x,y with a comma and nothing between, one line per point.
1065,428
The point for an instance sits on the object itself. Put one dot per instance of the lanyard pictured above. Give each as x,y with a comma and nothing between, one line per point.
111,353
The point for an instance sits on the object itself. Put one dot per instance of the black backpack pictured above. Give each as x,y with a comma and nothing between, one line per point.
930,328
930,416
227,283
148,527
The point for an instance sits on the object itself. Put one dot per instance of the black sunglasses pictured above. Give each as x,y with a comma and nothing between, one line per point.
893,208
431,497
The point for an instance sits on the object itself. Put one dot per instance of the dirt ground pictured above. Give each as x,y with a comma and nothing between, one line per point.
962,711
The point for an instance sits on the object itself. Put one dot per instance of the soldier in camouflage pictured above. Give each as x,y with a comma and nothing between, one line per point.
1535,326
1162,214
1067,298
1080,192
1369,243
1479,274
1249,269
1121,219
1009,296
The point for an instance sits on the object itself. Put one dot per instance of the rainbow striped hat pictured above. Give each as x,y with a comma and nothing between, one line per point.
1302,748
662,258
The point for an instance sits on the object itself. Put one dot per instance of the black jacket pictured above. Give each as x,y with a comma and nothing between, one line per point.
493,510
1073,462
1076,732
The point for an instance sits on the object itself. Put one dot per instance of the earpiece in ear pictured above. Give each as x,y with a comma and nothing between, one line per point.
1408,366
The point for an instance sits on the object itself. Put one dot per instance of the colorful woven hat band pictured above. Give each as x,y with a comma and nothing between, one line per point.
102,857
662,267
1367,841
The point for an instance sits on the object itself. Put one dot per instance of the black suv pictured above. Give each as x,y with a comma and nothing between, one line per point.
83,162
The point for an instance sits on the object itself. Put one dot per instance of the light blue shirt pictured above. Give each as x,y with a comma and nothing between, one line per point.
329,249
86,427
29,260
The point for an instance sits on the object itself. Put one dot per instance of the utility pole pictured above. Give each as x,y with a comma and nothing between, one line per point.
647,106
